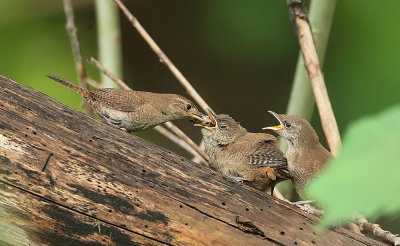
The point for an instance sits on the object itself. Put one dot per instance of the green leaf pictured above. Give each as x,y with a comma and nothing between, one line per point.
364,178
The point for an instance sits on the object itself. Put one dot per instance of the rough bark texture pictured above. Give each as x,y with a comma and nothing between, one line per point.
68,179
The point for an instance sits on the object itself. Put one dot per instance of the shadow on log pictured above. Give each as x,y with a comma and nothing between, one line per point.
68,179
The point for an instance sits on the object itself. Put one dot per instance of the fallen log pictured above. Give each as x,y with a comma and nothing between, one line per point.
69,179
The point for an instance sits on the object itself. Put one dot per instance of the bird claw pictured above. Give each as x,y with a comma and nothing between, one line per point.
299,203
238,179
305,206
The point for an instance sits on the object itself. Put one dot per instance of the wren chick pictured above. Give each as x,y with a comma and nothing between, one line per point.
136,110
306,156
251,157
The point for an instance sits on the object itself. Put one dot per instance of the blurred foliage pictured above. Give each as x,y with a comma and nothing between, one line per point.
239,55
364,177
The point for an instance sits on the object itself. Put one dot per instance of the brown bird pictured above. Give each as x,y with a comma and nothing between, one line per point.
136,110
305,155
250,157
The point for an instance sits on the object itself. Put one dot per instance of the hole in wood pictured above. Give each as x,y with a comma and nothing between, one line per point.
109,210
144,171
261,209
247,209
282,233
295,243
313,242
186,224
26,135
301,228
223,204
34,133
180,206
145,226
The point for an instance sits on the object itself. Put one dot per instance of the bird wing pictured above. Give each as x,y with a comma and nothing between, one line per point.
268,155
123,100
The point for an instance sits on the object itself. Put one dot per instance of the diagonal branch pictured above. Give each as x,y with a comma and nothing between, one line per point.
299,15
163,57
376,230
76,50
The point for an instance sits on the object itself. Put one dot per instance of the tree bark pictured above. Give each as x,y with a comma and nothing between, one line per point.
69,179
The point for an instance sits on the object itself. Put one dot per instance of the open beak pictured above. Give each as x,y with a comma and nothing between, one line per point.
210,123
275,128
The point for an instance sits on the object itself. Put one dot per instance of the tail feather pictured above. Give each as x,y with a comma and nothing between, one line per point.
85,93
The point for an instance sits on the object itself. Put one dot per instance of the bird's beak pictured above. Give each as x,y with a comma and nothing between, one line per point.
198,116
275,128
210,123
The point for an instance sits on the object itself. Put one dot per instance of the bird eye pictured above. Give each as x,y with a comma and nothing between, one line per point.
288,125
222,126
188,106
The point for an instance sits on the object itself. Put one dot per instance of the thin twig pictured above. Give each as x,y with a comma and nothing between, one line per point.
179,141
76,50
299,14
163,57
94,83
185,138
377,231
110,75
190,145
108,39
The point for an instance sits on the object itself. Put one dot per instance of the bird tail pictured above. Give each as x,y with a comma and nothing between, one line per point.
85,93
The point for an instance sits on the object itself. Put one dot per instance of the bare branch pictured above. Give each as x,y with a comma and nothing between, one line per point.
329,124
163,57
377,231
185,138
114,78
76,50
177,140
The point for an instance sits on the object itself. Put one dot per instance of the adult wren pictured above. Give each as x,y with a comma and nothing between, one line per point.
136,110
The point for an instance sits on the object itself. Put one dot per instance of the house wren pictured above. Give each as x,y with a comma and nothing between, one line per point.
305,155
252,157
136,110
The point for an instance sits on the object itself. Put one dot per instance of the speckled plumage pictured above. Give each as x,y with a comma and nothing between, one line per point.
135,110
234,151
306,156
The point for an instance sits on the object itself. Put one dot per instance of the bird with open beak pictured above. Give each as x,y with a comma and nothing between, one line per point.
305,155
136,110
250,157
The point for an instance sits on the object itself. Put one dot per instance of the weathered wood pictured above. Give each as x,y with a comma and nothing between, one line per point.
63,175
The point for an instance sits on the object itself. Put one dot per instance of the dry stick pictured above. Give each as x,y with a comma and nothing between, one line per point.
114,78
376,230
189,145
299,14
76,50
163,57
189,141
177,140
